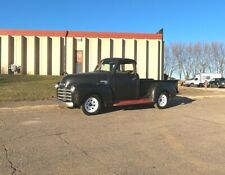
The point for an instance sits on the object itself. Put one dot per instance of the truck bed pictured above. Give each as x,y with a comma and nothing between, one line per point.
147,84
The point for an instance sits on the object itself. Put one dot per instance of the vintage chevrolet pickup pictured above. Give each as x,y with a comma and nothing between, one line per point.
114,82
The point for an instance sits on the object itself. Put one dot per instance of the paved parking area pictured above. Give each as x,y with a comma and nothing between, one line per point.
187,138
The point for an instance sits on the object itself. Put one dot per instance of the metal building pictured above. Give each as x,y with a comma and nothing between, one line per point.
54,52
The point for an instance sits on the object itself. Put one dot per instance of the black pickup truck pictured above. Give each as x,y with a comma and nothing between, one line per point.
114,82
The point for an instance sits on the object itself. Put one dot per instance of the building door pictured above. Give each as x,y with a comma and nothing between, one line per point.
78,61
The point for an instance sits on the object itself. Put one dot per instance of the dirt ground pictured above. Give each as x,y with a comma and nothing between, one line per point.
187,138
205,92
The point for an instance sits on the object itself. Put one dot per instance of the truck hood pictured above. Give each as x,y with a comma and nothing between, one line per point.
85,78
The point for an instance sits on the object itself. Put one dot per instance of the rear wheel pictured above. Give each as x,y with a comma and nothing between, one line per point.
192,85
92,105
162,101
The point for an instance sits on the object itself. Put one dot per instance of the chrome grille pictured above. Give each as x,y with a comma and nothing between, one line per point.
64,94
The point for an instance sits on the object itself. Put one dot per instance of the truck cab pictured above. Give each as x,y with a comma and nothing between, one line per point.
123,77
114,82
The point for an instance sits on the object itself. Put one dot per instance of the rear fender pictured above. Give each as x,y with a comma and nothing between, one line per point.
156,91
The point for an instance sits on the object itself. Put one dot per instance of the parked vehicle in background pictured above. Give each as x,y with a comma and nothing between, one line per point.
114,82
217,82
200,79
221,83
213,83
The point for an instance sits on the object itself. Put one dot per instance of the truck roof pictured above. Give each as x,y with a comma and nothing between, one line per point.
121,60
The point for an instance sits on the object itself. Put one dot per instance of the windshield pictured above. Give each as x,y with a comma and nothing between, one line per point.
105,66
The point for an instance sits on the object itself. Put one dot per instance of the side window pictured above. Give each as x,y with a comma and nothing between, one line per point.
125,68
105,67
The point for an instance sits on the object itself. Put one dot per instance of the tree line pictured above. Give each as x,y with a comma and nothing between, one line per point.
189,59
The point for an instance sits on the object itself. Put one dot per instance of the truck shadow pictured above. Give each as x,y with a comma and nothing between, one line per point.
179,100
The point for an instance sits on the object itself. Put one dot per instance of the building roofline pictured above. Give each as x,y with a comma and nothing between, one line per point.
52,33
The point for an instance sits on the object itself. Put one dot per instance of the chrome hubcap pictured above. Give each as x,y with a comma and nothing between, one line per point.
91,105
162,101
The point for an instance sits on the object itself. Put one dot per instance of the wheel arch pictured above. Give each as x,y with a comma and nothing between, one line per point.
157,91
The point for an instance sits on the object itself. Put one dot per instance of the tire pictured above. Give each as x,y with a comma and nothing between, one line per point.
192,85
92,105
162,101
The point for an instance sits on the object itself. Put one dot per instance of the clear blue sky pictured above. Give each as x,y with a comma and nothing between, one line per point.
182,20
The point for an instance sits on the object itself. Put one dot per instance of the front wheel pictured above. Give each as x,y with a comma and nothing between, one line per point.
162,101
92,105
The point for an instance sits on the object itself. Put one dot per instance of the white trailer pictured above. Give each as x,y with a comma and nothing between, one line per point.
201,78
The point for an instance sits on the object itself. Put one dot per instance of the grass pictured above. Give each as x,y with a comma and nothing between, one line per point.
27,87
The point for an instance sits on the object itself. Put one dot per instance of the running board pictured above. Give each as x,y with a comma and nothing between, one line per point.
132,102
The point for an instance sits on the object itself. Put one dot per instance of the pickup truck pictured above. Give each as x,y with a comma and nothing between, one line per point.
114,82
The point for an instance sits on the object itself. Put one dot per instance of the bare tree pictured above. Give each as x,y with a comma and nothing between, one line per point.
205,55
177,53
218,52
190,59
209,58
197,49
170,63
221,58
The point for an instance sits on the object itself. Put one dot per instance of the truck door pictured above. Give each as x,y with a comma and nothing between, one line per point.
126,82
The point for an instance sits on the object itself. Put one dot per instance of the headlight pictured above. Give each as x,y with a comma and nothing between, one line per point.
56,85
72,89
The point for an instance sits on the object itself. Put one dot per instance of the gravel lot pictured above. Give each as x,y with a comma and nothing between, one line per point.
187,138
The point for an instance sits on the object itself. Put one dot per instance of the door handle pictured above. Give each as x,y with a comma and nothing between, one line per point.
135,78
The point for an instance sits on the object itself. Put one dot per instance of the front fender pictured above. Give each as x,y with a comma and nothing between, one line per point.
84,90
